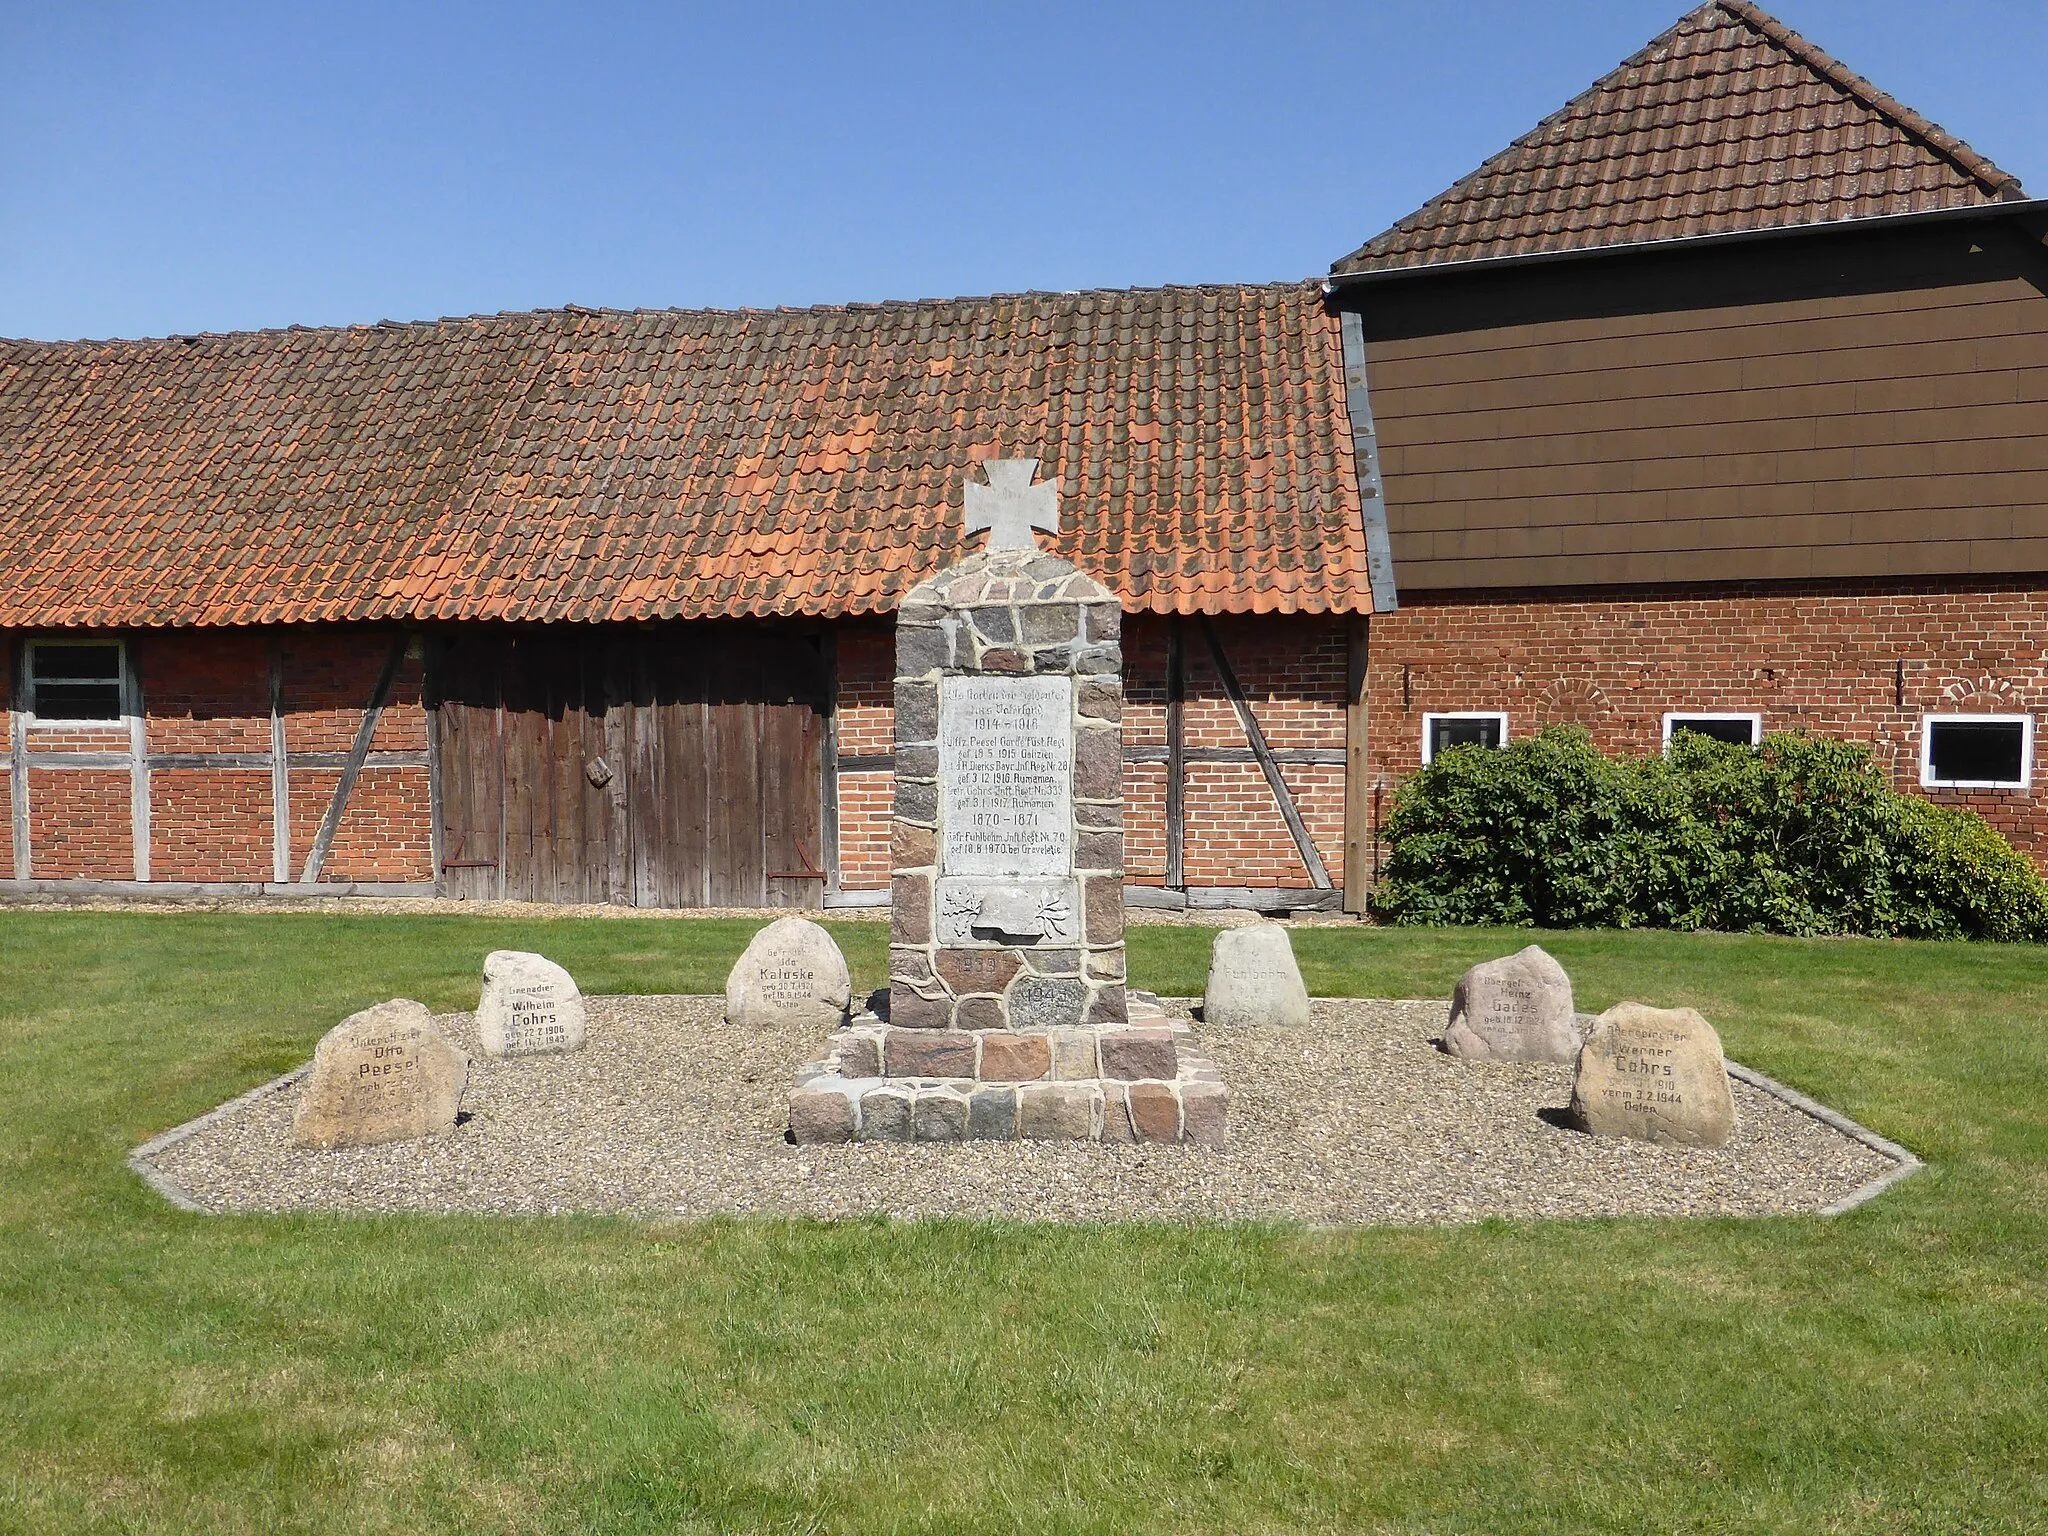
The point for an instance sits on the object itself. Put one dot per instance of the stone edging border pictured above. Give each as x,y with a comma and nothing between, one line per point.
1905,1164
170,1189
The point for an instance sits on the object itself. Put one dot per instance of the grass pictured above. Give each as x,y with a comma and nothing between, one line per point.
1884,1372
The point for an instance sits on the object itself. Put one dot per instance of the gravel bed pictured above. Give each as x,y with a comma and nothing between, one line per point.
1356,1120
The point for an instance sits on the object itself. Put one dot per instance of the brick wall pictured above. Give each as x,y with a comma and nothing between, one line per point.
866,726
1830,658
207,693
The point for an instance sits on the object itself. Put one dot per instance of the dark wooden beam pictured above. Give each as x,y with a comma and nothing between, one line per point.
316,857
1283,797
280,771
1176,753
1357,796
1319,757
17,757
828,811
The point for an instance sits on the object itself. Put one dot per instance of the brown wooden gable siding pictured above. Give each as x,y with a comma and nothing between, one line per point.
1835,406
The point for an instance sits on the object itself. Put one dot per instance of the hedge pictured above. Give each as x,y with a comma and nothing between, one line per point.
1800,835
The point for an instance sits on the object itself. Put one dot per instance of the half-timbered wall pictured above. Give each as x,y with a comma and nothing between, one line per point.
229,766
1235,834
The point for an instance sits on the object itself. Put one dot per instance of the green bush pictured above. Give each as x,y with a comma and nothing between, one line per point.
1799,836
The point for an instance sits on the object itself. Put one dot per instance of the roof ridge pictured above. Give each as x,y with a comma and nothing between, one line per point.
1580,178
585,311
1974,163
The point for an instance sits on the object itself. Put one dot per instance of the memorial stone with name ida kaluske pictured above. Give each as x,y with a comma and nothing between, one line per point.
1008,1013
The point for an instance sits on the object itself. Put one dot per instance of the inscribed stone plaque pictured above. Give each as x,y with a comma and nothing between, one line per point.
791,975
1006,770
1518,1008
385,1074
1656,1074
530,1006
1254,980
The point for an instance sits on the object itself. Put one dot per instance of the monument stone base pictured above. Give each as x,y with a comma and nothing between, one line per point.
1143,1081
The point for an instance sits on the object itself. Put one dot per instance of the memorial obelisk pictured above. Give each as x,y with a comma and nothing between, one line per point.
1008,846
1008,1013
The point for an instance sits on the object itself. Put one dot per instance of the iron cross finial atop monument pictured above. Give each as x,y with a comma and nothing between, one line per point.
1010,506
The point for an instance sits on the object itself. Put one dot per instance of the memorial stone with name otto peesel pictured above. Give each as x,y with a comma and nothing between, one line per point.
385,1074
1008,1014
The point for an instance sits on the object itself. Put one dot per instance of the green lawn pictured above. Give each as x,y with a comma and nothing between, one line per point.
1884,1372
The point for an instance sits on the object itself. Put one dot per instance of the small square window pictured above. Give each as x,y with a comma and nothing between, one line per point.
1743,730
1467,728
75,679
1976,751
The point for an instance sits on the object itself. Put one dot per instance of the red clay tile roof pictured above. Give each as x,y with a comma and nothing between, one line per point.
1730,121
596,465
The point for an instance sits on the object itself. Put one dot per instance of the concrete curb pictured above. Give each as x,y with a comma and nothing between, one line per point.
1905,1164
170,1189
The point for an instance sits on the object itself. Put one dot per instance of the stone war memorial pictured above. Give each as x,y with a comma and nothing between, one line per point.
1008,1013
385,1074
530,1006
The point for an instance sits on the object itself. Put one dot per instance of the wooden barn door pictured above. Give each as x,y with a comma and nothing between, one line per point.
674,767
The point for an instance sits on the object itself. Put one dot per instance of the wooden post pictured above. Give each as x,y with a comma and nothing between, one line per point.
1176,755
17,760
1357,792
280,772
828,832
138,757
431,708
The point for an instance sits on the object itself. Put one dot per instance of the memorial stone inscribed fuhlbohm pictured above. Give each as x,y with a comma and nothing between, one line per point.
1008,888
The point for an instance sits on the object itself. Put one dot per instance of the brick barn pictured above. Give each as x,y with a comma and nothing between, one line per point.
595,606
1719,401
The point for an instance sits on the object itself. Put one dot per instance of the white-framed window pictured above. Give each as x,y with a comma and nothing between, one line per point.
1743,728
76,682
1463,728
1976,751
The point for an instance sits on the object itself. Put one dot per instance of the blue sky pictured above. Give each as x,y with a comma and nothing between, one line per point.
168,168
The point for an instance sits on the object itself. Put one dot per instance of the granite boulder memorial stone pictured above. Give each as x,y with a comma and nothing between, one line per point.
1253,980
1516,1008
529,1007
1656,1074
385,1074
791,976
